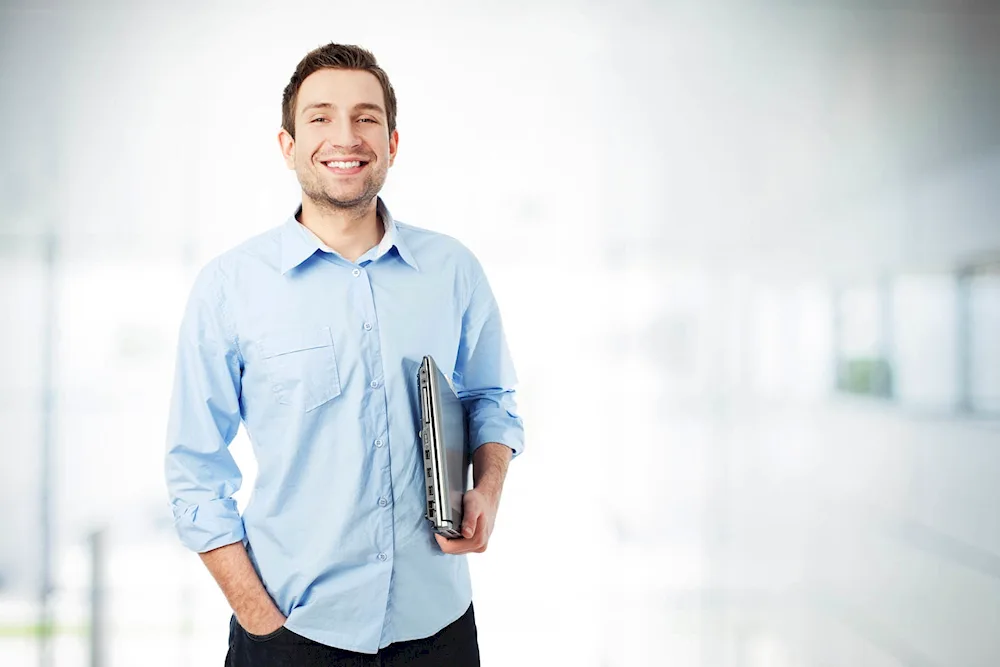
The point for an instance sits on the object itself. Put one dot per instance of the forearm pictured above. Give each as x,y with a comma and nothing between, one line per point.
489,468
230,566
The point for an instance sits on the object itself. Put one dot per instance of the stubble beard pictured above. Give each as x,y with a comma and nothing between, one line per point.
312,187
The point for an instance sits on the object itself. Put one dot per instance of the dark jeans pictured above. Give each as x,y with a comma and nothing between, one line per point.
454,646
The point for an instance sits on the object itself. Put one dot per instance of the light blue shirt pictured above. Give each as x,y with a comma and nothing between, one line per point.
319,357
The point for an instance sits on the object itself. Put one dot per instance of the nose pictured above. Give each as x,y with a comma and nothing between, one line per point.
343,134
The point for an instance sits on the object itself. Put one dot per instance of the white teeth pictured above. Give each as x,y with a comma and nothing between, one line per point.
344,165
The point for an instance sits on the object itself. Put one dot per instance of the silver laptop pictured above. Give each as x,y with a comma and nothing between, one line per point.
443,429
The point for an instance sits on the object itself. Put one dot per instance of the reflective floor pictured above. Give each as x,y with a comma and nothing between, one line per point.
831,534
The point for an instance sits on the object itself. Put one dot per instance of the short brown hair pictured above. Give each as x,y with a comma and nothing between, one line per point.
335,56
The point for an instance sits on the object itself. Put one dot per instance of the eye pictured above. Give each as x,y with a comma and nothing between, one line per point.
316,120
368,120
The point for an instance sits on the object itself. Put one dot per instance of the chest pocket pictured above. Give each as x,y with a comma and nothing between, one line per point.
301,366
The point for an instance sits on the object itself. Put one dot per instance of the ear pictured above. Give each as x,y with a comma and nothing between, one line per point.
287,144
393,146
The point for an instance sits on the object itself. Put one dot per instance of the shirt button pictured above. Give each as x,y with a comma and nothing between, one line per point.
356,272
368,326
382,502
382,557
379,443
373,384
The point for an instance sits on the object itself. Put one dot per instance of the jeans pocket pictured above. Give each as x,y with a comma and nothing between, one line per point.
265,638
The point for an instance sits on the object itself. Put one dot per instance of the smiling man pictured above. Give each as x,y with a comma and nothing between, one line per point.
311,334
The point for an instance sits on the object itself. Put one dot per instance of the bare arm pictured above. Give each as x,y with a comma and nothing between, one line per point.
230,566
480,504
489,469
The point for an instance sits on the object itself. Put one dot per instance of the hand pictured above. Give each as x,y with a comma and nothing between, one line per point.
263,624
479,512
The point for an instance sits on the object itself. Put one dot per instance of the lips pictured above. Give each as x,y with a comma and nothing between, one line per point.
345,167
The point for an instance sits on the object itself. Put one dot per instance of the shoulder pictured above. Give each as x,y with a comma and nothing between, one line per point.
225,269
438,249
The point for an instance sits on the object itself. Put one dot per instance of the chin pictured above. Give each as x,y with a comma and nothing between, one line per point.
344,200
347,198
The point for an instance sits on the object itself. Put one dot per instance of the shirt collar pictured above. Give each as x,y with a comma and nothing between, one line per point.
392,237
299,243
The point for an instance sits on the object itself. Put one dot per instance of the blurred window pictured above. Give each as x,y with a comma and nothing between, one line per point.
862,363
984,341
925,351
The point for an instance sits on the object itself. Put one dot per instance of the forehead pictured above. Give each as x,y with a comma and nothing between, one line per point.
340,87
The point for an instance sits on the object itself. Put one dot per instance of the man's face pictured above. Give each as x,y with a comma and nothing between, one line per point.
342,148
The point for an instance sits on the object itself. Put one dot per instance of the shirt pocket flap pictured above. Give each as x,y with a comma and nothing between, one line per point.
277,343
301,366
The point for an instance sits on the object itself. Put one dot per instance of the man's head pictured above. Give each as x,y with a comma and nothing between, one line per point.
338,126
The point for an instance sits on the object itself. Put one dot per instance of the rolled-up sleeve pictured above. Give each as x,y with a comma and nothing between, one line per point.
485,379
204,418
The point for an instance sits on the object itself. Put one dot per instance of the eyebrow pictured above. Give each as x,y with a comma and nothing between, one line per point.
363,106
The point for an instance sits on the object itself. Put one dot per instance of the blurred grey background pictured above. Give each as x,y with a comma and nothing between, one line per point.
748,256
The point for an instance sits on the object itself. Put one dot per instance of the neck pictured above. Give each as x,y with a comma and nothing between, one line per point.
351,232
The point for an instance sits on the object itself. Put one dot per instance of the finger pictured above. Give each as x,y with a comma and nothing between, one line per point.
472,509
446,545
455,545
470,523
481,537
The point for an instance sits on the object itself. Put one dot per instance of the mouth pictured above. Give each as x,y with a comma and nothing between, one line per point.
345,167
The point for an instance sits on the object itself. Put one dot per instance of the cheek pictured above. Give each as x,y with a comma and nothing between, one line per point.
378,143
303,160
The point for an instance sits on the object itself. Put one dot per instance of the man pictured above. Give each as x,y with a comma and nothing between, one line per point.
312,334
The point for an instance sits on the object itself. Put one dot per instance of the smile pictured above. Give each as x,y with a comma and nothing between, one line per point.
346,167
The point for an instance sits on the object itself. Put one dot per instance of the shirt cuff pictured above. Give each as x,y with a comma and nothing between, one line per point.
209,525
509,434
